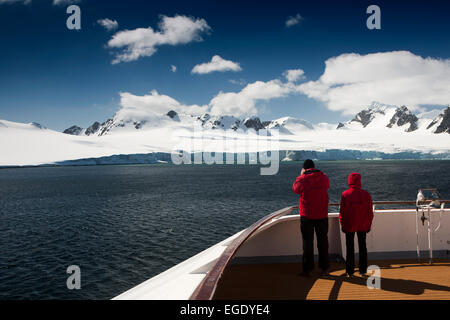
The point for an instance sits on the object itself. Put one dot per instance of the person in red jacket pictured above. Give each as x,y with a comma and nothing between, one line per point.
356,215
312,186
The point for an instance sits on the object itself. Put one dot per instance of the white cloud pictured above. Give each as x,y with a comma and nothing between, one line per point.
143,42
217,63
108,24
239,104
351,81
142,107
243,103
173,68
294,75
292,21
65,2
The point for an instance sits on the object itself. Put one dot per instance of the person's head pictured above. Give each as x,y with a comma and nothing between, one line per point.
354,180
308,164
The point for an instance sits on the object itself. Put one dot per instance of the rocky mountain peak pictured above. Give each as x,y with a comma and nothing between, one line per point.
254,123
404,116
172,114
219,122
73,130
445,123
92,128
442,121
366,116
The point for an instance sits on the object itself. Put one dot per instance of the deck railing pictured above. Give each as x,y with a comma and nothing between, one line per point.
393,202
206,289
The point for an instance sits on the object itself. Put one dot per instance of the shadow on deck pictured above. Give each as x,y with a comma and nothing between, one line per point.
402,279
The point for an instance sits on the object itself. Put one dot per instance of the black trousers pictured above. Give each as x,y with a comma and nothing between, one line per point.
320,226
350,260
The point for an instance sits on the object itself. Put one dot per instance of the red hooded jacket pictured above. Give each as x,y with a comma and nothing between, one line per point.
312,186
356,212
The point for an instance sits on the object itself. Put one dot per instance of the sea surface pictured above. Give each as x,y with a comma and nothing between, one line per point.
124,224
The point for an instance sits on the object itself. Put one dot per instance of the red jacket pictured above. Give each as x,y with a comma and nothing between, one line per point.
312,186
356,212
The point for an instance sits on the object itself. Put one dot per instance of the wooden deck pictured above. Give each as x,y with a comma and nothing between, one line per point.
403,279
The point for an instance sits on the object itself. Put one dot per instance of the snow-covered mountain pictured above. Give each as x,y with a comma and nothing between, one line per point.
376,116
378,131
441,123
380,116
289,125
76,130
171,119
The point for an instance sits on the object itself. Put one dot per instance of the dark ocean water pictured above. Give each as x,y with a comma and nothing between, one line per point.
125,224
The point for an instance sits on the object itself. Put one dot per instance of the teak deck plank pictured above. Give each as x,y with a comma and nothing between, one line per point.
402,279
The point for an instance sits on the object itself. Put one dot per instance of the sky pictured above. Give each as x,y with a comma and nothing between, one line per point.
222,57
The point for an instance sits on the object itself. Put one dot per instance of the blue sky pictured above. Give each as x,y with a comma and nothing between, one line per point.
60,77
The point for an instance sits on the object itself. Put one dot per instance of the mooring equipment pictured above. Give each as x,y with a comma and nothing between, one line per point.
427,199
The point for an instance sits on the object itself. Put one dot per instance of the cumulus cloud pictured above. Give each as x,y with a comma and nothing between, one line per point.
173,68
141,107
294,75
143,42
239,104
243,103
217,63
292,21
351,81
65,2
108,24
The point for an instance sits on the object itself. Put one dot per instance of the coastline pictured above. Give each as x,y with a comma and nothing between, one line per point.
285,156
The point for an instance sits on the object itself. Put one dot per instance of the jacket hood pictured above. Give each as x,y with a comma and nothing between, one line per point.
354,180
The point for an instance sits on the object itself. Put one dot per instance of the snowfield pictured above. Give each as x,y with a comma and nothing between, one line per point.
153,139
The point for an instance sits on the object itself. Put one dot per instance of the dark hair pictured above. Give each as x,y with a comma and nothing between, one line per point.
308,164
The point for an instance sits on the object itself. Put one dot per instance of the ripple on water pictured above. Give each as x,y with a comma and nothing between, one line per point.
125,224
